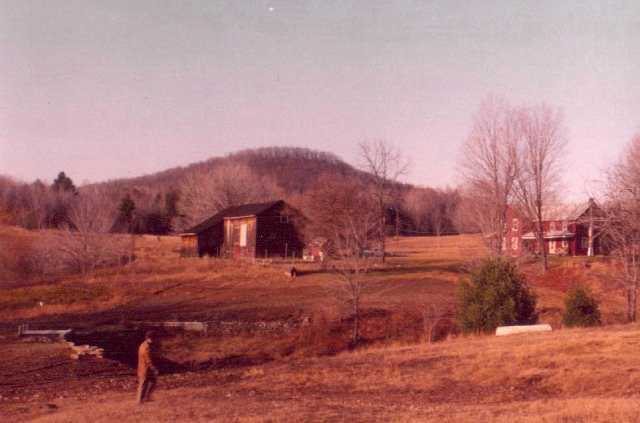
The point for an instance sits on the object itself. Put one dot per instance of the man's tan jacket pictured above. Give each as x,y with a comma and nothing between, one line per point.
145,363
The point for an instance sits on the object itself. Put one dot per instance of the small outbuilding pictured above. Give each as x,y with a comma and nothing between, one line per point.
315,250
251,230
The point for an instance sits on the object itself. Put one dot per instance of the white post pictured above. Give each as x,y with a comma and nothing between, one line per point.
590,249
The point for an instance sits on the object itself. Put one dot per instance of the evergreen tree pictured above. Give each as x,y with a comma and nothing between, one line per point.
496,295
126,209
63,184
171,199
580,308
157,223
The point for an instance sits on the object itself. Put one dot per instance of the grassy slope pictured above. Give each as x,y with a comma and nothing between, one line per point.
571,375
458,379
160,284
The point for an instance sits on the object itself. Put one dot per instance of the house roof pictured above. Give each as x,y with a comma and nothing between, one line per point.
569,211
244,210
564,211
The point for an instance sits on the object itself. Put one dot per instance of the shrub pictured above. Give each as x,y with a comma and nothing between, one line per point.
16,252
580,308
496,294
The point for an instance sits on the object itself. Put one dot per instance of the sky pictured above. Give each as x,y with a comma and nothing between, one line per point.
108,89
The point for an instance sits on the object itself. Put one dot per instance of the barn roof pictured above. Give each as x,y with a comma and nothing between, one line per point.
244,210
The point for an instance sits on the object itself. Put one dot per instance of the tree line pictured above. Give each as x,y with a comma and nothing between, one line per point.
174,200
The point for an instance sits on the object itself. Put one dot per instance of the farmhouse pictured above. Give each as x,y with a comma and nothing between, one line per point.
250,230
568,230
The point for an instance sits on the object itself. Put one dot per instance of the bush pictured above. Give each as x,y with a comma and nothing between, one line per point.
580,308
16,252
496,295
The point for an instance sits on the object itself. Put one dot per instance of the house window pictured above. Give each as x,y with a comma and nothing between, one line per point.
565,244
514,243
514,225
584,243
243,235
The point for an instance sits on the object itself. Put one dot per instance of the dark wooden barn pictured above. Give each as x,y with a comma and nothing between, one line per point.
250,230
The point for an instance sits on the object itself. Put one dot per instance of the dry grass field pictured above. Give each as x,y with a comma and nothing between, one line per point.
307,371
569,376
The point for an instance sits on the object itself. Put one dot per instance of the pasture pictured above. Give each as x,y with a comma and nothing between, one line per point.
304,369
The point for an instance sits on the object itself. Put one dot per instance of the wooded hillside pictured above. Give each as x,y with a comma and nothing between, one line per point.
171,200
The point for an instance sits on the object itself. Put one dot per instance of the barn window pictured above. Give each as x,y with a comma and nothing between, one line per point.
514,243
565,244
514,225
284,219
243,235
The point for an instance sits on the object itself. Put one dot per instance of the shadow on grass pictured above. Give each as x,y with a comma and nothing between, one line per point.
231,361
432,266
122,346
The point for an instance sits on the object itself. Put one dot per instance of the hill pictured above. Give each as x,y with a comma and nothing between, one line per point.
294,169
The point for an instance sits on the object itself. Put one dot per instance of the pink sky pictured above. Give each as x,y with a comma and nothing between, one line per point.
106,89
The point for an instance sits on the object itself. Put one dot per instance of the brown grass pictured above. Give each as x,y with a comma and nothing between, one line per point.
570,375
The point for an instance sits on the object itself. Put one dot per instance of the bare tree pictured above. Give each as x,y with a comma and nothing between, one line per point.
622,230
539,174
489,167
208,191
442,209
345,213
387,165
40,201
416,203
86,242
431,316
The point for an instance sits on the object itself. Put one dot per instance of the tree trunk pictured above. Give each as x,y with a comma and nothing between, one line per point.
132,251
632,299
383,234
590,251
501,233
543,247
356,321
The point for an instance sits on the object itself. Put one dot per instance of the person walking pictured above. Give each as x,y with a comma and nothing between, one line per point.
147,371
